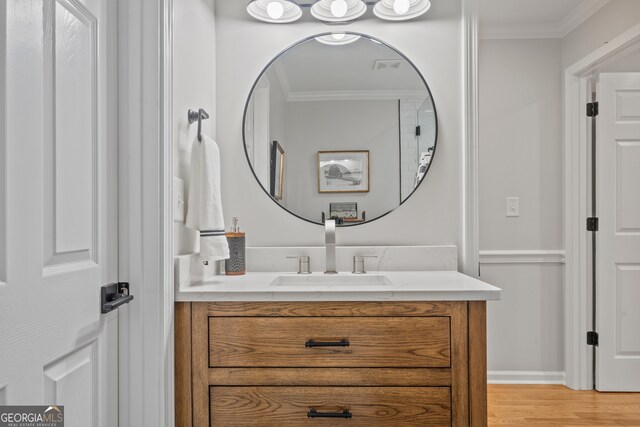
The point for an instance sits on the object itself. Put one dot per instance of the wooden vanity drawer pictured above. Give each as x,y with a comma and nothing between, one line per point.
408,342
368,406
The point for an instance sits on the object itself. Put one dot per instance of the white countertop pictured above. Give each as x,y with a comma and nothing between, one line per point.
400,286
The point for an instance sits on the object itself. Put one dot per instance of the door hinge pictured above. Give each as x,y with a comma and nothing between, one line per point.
113,296
592,338
592,223
592,109
418,130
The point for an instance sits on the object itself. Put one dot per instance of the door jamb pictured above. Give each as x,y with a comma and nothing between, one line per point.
577,208
144,212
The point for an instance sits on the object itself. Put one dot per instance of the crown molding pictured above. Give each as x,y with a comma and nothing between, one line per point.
579,15
342,95
546,30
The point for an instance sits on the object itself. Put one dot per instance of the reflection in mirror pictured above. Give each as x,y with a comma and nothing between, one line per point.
340,125
277,171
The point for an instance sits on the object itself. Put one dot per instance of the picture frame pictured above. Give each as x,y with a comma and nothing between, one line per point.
277,171
343,210
345,171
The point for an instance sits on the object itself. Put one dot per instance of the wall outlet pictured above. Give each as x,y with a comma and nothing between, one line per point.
178,200
513,206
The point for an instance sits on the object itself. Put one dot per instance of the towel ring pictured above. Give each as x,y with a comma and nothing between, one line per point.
199,115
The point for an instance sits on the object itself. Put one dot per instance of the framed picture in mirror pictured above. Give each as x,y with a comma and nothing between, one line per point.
343,171
277,171
343,210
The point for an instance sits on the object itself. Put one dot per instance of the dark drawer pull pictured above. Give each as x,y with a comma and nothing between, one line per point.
315,414
313,343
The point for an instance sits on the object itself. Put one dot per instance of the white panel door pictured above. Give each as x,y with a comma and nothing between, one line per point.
59,207
618,249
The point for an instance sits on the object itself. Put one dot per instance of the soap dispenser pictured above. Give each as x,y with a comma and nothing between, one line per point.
235,265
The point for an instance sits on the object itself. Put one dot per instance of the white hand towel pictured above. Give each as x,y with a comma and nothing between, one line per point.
204,210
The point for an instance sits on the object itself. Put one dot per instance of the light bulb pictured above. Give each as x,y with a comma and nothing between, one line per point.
401,7
275,10
338,36
339,8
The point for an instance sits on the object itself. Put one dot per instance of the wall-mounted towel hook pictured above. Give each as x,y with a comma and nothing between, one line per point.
199,115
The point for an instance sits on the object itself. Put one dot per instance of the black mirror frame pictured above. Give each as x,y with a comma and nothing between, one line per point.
306,39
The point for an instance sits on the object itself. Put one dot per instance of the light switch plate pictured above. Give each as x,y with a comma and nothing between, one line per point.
178,200
513,206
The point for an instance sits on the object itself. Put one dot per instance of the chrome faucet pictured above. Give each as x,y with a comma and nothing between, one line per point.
330,246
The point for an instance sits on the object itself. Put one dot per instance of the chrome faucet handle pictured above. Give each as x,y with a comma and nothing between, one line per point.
358,263
304,264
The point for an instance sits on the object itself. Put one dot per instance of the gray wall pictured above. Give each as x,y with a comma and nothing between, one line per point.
342,125
521,156
432,216
521,143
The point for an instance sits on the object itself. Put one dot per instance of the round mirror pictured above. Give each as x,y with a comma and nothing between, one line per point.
340,125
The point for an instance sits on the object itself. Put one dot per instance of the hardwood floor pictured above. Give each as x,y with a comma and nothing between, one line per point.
556,405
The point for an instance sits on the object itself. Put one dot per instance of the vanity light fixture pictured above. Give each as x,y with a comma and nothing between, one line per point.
400,10
338,11
337,39
274,11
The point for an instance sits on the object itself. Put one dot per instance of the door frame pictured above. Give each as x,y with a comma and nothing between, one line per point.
3,143
577,198
145,225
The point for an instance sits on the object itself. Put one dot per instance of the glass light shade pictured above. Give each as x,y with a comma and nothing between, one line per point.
274,11
401,7
392,10
328,10
339,8
337,39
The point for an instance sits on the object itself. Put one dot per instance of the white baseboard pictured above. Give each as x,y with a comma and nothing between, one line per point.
526,377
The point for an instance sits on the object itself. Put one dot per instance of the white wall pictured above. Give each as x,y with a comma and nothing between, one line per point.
335,126
432,216
521,156
194,70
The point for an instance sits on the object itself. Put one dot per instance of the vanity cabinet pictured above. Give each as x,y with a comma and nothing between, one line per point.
330,363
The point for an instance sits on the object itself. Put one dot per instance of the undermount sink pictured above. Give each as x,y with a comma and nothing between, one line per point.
332,280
